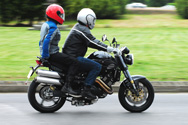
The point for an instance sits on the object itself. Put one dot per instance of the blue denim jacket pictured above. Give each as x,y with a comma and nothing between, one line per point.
50,37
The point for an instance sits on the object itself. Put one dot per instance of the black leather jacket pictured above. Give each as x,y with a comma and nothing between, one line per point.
79,39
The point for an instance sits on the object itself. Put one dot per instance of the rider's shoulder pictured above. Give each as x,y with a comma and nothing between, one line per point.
51,24
45,25
82,28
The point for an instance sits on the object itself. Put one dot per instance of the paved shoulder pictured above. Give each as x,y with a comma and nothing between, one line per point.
159,86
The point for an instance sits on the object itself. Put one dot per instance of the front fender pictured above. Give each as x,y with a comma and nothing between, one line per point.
135,78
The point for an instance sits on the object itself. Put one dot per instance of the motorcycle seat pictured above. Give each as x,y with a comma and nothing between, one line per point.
58,67
53,65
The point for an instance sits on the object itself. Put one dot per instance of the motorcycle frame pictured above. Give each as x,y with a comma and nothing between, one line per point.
124,68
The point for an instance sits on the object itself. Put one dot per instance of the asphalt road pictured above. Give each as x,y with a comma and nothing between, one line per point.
167,109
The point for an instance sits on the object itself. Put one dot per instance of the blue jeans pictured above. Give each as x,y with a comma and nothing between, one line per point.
90,66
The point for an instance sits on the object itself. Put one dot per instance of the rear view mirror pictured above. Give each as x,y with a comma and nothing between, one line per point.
104,38
114,40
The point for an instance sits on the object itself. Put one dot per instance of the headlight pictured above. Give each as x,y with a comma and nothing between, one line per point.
129,59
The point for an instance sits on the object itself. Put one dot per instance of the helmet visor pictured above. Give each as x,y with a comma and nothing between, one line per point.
91,21
94,21
62,16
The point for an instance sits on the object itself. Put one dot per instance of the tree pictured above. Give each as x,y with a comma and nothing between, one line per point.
6,13
21,10
31,10
182,8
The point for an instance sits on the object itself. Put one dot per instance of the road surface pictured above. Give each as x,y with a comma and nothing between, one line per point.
167,109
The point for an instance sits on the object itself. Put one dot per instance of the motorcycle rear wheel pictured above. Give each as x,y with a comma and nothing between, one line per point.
42,99
133,103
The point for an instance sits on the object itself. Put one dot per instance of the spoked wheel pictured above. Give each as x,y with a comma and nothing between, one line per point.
134,103
41,98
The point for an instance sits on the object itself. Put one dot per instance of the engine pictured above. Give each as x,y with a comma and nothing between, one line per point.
110,73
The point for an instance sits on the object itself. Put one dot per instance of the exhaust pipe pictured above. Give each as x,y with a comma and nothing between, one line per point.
46,73
48,80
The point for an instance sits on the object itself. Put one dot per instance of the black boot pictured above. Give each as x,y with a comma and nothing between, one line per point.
70,78
68,89
87,93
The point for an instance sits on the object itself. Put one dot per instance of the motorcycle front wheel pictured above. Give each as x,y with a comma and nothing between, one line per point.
41,98
134,103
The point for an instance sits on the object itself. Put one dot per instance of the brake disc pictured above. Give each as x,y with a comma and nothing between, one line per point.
46,93
132,98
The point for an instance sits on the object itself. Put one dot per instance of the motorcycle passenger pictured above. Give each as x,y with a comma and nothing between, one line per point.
50,37
77,43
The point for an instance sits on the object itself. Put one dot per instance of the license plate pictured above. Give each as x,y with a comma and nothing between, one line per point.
30,73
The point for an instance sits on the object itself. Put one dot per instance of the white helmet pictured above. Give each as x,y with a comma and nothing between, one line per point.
87,17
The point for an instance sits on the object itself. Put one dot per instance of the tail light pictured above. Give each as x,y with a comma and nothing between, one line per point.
38,62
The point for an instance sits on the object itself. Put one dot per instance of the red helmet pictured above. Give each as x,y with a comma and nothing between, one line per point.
56,12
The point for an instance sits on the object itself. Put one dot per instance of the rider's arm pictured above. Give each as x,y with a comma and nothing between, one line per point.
90,40
94,43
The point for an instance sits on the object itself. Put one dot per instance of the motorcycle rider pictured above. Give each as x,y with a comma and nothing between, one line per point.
50,37
77,43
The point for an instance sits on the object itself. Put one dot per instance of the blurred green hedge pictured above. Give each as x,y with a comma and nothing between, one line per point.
103,8
153,3
30,10
182,8
20,10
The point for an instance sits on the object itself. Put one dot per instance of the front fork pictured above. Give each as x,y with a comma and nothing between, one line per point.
128,76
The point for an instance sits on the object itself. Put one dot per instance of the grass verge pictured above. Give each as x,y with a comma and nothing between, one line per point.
160,53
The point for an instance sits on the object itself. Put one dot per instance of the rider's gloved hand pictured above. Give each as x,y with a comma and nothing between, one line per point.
117,51
114,50
110,49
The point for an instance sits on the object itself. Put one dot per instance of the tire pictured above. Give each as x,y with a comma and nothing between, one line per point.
144,101
34,95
